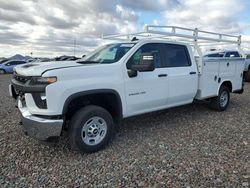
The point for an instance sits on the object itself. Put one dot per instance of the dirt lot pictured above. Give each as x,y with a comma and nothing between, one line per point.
189,146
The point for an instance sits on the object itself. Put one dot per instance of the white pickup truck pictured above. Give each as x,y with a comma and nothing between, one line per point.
89,97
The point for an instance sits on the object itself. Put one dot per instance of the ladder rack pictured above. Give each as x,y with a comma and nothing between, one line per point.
195,37
177,33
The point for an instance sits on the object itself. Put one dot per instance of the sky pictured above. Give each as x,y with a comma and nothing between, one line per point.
50,27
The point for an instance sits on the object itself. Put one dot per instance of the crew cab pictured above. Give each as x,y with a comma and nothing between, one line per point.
89,97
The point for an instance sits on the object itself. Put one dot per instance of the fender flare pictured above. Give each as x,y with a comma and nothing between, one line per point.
222,82
89,92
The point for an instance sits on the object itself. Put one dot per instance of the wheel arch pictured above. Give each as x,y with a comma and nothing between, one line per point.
106,98
3,70
226,83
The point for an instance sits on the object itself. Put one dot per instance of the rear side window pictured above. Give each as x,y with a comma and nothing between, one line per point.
176,56
154,48
232,54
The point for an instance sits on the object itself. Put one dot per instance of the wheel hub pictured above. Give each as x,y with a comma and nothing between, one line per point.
224,99
94,131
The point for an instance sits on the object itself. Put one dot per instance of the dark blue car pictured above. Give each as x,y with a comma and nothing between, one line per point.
7,67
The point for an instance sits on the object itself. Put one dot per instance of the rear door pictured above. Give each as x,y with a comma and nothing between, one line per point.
182,74
148,91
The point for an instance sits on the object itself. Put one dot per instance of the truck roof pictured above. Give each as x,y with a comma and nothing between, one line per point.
152,40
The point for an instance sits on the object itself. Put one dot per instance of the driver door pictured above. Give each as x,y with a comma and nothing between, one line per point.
148,91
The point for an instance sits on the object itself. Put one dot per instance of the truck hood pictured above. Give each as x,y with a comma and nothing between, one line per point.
37,69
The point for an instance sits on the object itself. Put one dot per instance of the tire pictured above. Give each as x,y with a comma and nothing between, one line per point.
221,102
90,129
247,76
2,71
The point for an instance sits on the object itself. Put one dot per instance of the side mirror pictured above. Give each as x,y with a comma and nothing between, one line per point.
146,63
7,64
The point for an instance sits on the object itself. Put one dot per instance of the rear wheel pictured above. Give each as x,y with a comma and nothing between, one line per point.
221,102
2,71
90,129
247,76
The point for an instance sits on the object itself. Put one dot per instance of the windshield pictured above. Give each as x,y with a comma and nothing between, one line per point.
108,54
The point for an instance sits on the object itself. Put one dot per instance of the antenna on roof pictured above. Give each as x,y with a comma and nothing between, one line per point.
134,39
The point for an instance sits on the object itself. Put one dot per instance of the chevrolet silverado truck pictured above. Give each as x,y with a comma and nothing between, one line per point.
88,98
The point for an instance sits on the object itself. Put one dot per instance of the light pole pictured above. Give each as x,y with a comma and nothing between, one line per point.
75,46
74,32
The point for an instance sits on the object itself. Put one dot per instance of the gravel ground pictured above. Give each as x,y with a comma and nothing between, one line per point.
188,146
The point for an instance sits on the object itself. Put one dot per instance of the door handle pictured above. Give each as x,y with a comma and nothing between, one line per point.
162,75
192,73
228,64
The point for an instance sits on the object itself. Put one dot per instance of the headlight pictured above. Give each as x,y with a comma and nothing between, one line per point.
43,80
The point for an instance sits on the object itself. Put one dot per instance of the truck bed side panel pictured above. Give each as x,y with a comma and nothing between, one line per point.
215,72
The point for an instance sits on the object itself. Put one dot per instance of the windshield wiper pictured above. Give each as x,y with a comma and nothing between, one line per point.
88,62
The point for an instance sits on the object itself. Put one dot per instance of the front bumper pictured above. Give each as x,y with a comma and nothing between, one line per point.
37,127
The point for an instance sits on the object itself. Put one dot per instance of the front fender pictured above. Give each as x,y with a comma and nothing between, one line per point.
89,92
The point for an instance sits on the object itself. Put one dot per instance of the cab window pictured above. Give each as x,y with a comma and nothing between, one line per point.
176,56
153,48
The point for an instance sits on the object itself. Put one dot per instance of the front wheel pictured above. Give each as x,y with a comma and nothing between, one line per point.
90,129
221,102
2,71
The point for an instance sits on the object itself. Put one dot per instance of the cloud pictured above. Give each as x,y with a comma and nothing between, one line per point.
4,27
210,15
126,14
149,5
12,16
50,27
7,37
11,5
61,23
46,25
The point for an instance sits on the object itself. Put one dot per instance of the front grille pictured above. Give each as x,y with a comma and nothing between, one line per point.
22,79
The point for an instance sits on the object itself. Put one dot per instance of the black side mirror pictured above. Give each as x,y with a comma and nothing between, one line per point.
8,64
146,63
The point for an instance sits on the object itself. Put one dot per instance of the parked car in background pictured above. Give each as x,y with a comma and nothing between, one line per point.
222,54
66,58
40,59
7,67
